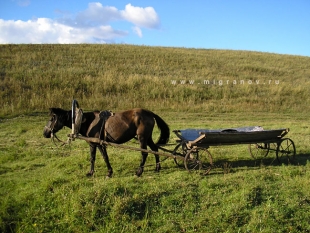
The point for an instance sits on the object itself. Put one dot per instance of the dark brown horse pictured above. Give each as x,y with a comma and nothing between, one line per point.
119,128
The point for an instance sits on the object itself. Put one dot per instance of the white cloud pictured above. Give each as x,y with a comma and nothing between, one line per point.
96,14
44,30
88,26
142,17
137,31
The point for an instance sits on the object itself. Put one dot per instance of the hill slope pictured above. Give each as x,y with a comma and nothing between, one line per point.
36,77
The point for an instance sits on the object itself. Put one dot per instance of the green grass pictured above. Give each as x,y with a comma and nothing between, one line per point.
44,188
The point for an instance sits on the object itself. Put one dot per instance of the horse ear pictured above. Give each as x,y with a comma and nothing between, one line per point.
51,111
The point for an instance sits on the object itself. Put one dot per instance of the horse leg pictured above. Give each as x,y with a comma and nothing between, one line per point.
104,153
153,147
143,145
92,159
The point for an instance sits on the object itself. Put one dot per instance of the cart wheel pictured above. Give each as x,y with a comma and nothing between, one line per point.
199,159
286,151
180,150
259,150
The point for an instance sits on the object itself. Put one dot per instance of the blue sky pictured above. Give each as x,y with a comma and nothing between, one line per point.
275,26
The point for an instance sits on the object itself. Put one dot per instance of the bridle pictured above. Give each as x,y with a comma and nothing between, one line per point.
51,126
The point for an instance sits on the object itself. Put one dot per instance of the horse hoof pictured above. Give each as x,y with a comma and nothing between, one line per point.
139,172
158,167
89,174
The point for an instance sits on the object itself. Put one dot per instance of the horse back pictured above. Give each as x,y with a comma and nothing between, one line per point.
124,126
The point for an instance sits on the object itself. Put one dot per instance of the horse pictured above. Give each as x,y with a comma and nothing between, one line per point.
120,128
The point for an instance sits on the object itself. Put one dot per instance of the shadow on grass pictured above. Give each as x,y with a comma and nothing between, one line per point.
227,166
220,166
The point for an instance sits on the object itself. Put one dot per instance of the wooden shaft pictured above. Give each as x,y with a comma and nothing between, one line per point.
102,142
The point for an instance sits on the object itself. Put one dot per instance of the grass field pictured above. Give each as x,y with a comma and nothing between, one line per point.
35,77
44,188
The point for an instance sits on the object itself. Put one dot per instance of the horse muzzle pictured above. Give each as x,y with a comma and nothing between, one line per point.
47,132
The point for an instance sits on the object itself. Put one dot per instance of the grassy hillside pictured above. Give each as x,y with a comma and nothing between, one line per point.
35,77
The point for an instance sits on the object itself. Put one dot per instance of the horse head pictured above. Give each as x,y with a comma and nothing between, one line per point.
58,120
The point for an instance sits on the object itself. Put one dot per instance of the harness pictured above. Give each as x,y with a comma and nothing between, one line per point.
77,118
51,128
104,116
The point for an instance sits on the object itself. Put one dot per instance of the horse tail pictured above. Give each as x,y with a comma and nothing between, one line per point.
164,130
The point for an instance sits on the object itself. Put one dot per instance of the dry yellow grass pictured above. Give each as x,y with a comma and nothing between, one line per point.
36,77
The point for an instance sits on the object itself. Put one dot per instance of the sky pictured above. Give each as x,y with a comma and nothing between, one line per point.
273,26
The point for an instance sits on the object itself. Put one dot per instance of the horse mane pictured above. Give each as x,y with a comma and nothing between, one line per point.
58,111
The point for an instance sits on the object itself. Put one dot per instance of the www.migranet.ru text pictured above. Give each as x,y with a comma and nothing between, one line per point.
225,82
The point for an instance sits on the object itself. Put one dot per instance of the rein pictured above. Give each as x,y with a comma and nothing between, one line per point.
53,136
